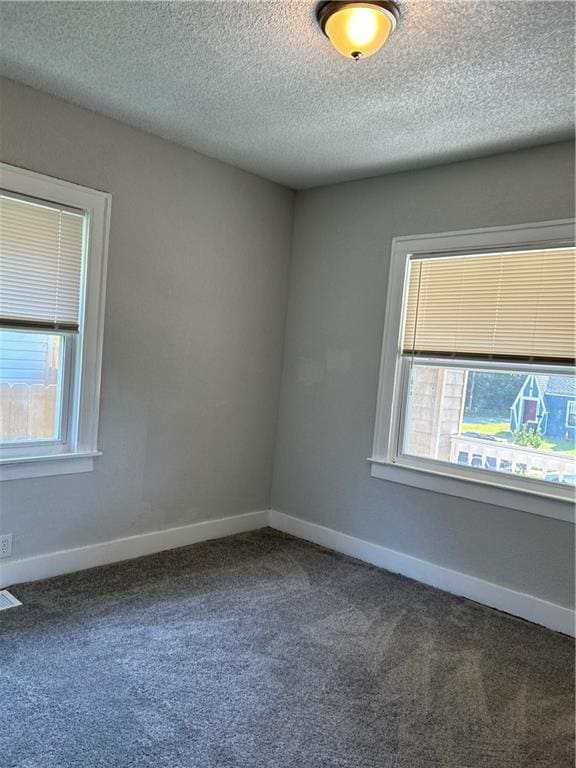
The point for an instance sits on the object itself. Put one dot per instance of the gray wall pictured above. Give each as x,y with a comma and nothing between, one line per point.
195,316
340,259
195,312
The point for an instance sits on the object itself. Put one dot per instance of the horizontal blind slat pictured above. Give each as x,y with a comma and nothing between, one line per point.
518,304
40,264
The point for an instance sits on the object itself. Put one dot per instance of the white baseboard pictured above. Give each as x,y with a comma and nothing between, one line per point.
69,560
550,615
525,606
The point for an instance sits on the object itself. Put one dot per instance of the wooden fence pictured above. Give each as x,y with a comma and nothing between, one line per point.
27,411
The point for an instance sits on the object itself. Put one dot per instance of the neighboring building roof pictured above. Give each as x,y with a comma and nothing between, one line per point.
557,385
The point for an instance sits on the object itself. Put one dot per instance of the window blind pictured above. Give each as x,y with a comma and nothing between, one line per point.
40,264
510,306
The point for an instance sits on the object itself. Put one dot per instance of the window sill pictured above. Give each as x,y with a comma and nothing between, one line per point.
477,490
19,468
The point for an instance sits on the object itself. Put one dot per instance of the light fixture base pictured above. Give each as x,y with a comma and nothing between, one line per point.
327,9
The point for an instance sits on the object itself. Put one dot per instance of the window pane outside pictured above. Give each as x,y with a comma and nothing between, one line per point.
31,367
505,421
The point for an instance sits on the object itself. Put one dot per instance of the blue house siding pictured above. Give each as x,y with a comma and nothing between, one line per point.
557,406
543,400
529,406
24,358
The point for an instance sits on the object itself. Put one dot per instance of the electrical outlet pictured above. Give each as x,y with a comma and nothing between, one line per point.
5,544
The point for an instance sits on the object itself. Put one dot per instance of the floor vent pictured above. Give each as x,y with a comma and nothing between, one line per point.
7,600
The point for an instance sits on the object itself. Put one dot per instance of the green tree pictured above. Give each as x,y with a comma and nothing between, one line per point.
491,394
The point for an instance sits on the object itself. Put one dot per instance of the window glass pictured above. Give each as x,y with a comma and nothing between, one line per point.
505,421
31,386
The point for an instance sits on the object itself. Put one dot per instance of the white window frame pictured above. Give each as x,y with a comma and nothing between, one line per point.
570,411
387,462
77,452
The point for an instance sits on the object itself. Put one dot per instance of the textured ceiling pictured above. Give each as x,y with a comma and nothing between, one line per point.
256,84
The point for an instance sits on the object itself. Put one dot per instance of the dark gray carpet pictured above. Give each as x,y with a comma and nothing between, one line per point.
263,651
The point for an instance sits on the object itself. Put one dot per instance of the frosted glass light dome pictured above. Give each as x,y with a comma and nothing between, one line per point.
356,29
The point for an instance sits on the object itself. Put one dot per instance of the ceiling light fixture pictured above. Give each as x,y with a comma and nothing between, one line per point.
357,30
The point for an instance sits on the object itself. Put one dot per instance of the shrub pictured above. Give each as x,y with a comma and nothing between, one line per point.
528,437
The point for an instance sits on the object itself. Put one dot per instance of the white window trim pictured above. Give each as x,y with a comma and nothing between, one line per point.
78,455
498,489
570,409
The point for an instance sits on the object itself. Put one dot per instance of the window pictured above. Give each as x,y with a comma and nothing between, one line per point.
477,385
53,240
571,414
32,386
